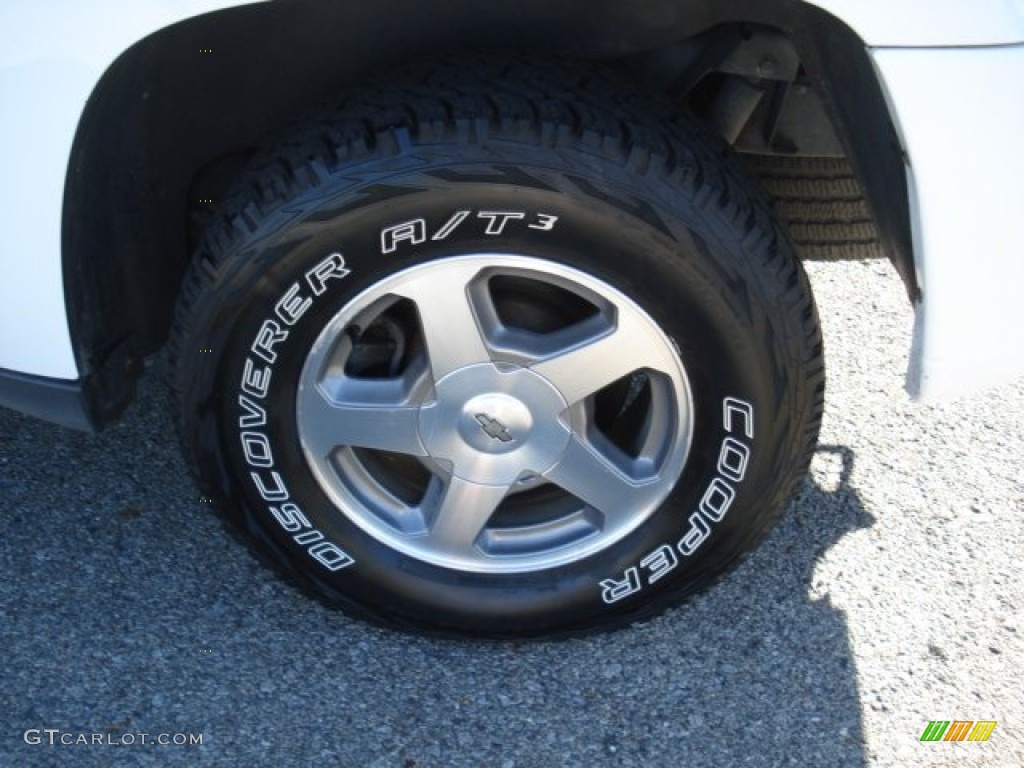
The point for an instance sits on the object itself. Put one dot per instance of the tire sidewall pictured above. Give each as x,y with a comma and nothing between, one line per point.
680,267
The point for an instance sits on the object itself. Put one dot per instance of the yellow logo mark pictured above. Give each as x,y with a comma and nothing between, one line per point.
982,730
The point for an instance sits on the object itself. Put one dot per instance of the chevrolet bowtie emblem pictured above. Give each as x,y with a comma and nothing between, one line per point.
493,428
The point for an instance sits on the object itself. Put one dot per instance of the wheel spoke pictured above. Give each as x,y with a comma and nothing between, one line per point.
385,427
586,368
463,510
584,473
446,313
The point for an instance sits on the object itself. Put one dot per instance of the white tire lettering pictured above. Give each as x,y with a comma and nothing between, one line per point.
292,306
254,415
699,531
734,407
255,382
308,537
732,459
290,517
449,226
545,222
270,335
330,556
659,563
614,590
331,268
275,493
496,220
414,232
716,500
256,448
255,386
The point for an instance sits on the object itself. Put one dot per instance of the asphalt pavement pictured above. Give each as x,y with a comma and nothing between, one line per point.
890,596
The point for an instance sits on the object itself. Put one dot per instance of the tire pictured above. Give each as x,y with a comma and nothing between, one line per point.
499,349
822,203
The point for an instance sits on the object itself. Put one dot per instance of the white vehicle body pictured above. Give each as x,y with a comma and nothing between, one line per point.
953,73
48,68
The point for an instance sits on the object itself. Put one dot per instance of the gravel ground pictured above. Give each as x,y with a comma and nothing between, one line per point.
888,597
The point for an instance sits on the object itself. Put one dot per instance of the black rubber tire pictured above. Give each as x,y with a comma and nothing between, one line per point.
644,201
822,204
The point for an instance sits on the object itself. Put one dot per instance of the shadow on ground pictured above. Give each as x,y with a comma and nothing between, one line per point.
126,609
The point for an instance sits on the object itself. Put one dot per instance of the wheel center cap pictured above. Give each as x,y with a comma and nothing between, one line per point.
495,423
490,424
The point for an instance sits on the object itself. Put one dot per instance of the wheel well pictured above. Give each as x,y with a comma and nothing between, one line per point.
169,123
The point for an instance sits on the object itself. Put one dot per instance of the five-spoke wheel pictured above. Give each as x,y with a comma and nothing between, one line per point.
494,413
